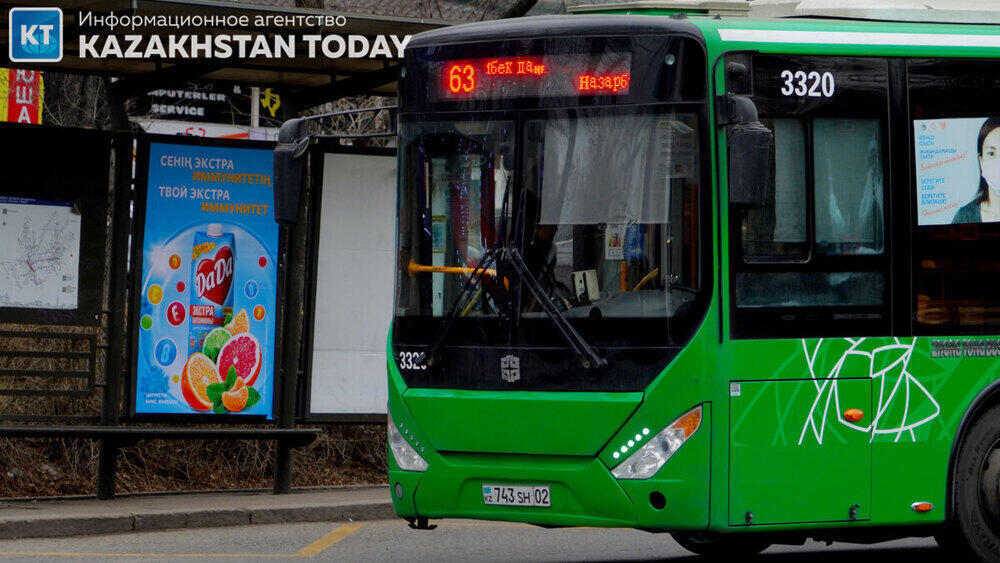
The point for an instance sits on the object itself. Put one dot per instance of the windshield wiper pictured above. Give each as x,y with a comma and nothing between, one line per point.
511,257
428,356
585,353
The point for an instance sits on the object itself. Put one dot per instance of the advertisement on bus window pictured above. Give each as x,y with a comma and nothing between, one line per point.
208,282
958,170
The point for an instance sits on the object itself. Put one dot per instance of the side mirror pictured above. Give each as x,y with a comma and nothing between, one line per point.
751,148
288,169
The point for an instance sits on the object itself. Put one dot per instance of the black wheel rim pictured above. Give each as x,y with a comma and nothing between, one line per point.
989,488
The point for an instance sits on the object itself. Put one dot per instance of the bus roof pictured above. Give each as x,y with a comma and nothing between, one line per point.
554,26
926,11
849,37
799,35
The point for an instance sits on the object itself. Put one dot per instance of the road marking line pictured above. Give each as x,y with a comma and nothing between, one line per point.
150,555
334,536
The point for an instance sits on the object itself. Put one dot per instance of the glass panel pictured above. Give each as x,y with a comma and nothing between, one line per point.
956,263
956,281
450,217
611,236
809,289
847,155
778,229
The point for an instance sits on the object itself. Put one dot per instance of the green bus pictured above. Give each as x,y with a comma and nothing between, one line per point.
726,278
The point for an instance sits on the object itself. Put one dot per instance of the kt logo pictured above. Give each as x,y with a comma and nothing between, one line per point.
35,35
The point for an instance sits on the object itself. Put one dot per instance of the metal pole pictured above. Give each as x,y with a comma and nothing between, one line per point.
120,226
254,107
107,472
291,331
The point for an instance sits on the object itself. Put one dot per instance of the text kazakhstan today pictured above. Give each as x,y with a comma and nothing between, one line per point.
243,46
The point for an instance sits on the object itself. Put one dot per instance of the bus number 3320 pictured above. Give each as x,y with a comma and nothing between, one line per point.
807,84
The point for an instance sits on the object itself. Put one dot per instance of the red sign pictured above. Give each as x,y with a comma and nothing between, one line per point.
24,96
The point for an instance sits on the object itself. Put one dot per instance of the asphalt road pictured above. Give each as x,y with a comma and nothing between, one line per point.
453,540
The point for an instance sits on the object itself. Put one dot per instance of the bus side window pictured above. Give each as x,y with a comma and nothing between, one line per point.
848,181
956,231
812,261
777,230
848,217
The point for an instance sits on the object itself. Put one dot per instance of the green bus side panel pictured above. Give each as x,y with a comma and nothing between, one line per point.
519,422
783,471
920,390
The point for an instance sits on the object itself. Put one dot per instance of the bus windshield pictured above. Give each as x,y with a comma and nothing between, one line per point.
606,213
604,206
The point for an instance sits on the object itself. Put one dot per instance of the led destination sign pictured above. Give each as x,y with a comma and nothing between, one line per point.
532,76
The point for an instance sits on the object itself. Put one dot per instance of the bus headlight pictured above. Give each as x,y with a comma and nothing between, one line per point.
648,459
403,452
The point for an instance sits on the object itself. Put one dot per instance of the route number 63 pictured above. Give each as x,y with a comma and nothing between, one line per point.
808,84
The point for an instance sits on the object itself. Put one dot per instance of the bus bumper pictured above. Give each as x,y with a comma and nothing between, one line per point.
583,491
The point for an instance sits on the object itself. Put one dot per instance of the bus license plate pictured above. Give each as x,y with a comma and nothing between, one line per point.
517,495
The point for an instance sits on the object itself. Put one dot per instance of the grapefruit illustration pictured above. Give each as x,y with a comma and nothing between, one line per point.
199,373
241,352
240,323
235,399
214,342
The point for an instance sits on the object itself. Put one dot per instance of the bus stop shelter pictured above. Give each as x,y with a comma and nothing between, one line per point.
106,351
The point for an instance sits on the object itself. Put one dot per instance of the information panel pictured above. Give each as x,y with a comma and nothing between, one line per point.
208,282
957,170
530,76
40,258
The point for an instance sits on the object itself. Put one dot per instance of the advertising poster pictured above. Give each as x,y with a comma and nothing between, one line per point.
957,168
208,282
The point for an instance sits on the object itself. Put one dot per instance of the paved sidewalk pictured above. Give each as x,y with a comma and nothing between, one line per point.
55,518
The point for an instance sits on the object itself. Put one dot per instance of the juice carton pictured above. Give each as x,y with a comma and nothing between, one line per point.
213,261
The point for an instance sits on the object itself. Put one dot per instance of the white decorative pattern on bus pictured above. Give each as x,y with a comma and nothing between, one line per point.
889,365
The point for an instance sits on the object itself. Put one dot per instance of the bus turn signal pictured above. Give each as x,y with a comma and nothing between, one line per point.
853,415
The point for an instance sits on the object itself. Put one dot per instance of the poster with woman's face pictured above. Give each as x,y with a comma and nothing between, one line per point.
958,170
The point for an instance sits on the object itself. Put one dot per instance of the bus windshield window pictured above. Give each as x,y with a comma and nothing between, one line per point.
611,212
608,207
456,175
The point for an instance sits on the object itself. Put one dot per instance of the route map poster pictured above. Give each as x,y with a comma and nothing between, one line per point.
40,262
950,171
208,282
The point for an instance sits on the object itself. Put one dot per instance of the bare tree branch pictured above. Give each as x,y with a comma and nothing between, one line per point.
519,8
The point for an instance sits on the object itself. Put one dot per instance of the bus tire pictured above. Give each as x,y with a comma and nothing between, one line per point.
975,529
721,547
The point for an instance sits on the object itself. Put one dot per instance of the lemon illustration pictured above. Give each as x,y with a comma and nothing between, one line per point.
214,342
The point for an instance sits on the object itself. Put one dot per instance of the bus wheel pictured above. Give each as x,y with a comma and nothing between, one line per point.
722,547
976,529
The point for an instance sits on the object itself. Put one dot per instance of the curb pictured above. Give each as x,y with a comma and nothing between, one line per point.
52,527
